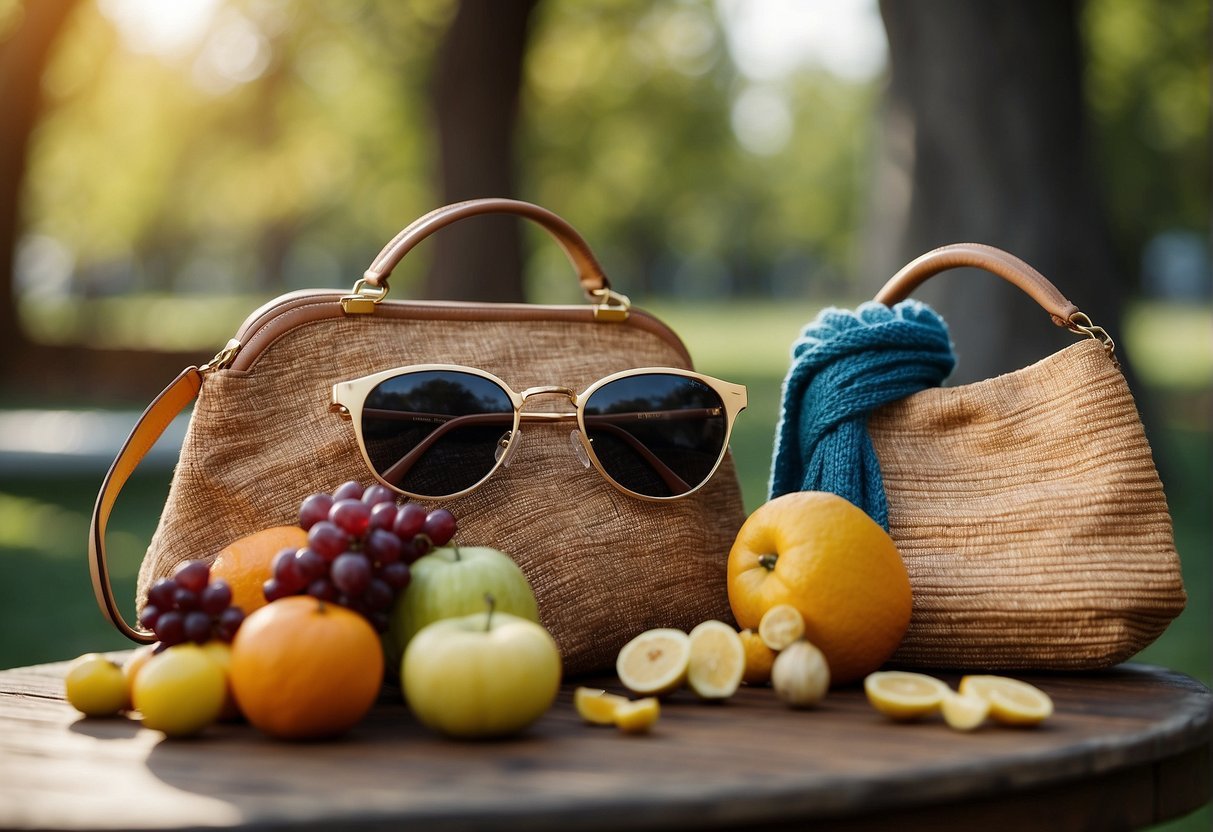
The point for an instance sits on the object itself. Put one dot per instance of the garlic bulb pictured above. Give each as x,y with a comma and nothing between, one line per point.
800,675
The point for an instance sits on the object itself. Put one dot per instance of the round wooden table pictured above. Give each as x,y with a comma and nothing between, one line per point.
1126,748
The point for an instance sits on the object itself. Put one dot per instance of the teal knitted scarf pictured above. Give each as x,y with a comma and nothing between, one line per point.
845,365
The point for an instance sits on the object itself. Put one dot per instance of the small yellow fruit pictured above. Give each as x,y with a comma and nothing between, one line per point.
964,713
717,660
135,663
596,706
781,626
1012,702
655,662
220,652
758,658
637,717
95,686
180,691
905,696
800,675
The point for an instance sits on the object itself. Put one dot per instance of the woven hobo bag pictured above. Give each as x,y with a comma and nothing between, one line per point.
604,565
1027,507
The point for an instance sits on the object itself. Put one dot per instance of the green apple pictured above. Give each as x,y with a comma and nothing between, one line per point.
450,582
483,675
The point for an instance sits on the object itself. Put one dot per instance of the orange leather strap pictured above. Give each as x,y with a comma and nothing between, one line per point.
1005,265
151,425
589,272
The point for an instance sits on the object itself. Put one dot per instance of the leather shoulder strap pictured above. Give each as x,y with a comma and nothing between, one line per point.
151,425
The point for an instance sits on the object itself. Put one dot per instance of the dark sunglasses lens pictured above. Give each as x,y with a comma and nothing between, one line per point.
656,434
435,432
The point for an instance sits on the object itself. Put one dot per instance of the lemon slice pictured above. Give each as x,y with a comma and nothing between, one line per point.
781,626
964,712
655,662
904,696
638,716
717,660
758,658
1011,701
595,706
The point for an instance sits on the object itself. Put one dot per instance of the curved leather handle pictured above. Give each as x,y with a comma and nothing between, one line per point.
154,421
976,255
589,272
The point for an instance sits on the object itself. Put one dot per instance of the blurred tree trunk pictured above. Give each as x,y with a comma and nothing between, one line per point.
475,99
986,123
23,57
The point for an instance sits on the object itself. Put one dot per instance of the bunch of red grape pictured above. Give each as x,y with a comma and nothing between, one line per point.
191,607
359,547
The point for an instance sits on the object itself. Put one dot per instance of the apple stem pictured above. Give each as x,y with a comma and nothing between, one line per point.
768,561
492,602
455,546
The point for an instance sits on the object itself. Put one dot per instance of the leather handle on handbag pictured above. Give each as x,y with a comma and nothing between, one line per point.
995,260
590,274
151,425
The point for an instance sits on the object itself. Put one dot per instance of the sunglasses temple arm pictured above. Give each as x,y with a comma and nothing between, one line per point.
400,469
675,483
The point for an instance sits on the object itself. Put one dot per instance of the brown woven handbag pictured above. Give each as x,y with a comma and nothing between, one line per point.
266,432
1027,507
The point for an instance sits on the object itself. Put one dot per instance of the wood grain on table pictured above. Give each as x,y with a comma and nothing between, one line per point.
1125,748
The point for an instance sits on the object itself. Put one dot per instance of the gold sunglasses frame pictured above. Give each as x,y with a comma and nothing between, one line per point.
348,398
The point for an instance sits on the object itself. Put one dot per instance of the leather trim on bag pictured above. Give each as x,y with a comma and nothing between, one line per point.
278,317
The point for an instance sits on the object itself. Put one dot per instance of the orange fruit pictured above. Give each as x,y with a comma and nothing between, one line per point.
758,659
247,563
836,566
305,669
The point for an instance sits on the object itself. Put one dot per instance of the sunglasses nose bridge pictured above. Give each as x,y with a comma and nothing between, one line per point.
540,391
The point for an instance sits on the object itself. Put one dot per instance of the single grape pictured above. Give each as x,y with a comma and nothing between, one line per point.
323,589
185,600
170,628
351,490
327,540
229,622
377,494
314,509
352,516
274,590
410,518
161,594
383,516
439,526
285,572
197,627
381,546
396,575
193,575
351,573
378,595
149,615
310,566
416,548
216,597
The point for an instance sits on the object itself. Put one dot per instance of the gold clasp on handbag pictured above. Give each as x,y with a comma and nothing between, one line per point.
1080,323
223,359
363,297
612,307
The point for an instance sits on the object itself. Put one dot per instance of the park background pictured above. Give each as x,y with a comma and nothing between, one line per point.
736,165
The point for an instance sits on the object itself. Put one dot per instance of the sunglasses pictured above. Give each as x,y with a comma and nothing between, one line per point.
438,431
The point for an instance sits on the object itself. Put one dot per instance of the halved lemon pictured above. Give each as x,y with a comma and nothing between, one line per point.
638,716
717,660
904,696
595,706
781,626
655,662
964,712
758,658
1011,701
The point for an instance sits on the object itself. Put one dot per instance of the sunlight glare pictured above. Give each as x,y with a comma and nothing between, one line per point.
157,27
